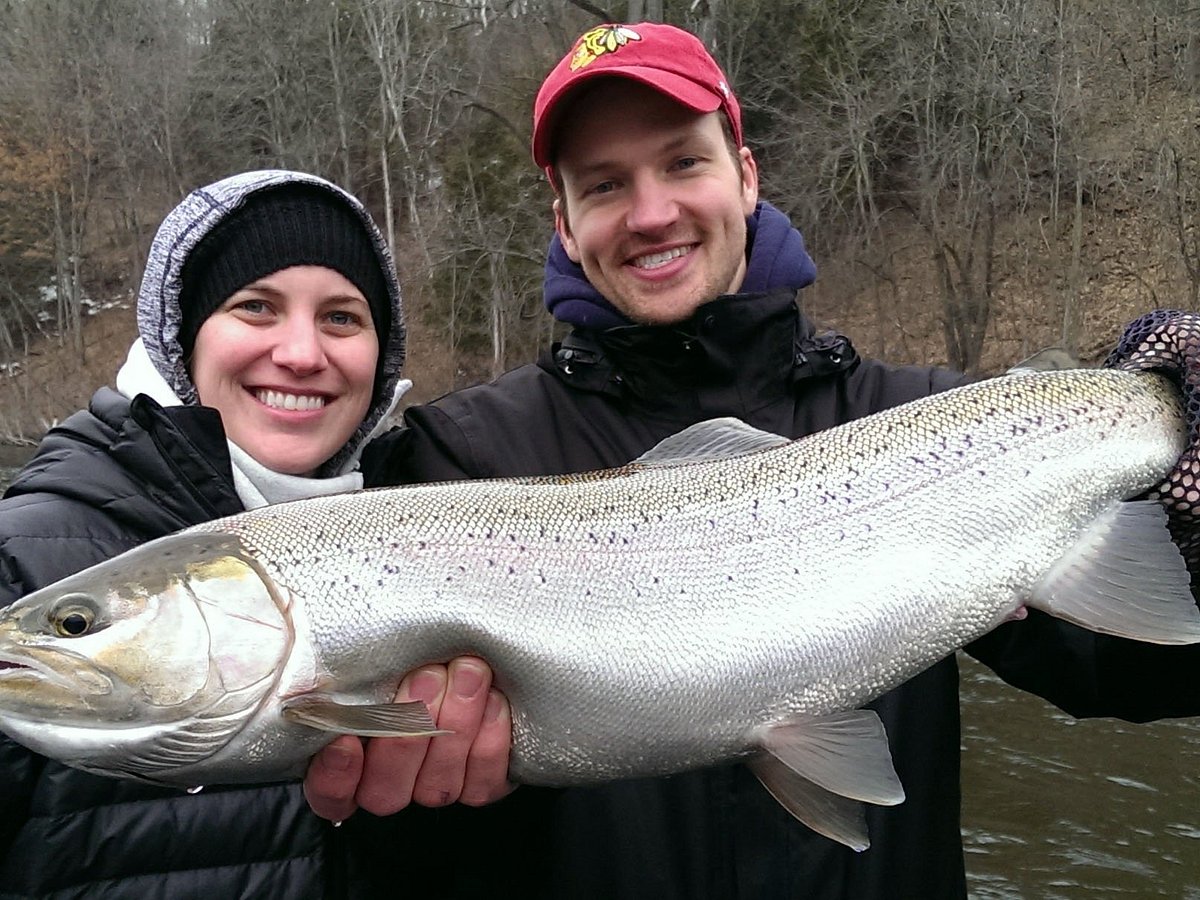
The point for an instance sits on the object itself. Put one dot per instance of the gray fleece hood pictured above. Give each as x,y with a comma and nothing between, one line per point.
158,309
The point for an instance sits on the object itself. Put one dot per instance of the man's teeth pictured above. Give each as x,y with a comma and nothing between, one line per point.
653,260
301,402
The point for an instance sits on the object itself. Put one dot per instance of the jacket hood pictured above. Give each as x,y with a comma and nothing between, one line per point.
158,309
775,258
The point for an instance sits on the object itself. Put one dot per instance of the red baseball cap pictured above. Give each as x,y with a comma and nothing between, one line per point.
668,59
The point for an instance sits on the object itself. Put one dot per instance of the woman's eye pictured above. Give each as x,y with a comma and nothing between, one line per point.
687,162
252,306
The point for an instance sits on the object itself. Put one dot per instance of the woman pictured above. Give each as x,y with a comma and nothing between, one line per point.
270,349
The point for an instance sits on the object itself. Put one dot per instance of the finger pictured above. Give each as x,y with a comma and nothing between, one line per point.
391,764
487,763
440,780
332,778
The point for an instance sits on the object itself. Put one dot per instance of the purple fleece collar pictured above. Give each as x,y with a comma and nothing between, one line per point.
777,259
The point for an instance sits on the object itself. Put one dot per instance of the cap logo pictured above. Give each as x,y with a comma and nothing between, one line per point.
599,41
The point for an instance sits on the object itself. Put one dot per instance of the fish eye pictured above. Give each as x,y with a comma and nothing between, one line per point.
74,624
73,620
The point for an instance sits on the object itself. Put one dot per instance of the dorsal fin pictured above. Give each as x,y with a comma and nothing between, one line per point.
710,440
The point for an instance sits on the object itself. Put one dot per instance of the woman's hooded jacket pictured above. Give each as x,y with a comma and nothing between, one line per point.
143,461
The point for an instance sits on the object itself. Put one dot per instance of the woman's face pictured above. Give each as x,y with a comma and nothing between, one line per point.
289,362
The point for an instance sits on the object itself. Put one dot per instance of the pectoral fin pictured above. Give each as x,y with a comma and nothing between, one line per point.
1125,577
409,719
823,768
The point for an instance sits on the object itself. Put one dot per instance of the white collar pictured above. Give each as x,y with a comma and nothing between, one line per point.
255,484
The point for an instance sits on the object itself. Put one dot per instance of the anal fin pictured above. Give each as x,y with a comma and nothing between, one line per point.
838,818
822,769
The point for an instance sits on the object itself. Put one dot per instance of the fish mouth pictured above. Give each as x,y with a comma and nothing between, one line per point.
22,670
35,674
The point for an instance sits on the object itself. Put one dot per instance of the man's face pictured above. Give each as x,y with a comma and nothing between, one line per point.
653,203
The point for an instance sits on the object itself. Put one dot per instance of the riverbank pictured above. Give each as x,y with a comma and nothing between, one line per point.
13,456
54,379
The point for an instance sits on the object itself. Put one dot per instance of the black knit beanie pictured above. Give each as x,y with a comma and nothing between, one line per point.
278,227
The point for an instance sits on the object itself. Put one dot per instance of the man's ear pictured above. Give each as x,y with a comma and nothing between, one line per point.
749,180
563,227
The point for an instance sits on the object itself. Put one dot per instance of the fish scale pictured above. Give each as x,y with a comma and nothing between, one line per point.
729,595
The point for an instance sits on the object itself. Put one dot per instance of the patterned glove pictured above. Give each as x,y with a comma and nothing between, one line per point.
1168,340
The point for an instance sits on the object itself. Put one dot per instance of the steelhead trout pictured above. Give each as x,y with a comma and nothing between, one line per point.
728,596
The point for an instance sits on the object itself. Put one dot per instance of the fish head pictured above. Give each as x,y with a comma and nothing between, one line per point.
150,661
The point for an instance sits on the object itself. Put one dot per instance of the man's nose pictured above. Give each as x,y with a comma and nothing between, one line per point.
652,206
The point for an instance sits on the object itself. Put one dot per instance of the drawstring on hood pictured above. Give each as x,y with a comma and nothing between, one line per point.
777,259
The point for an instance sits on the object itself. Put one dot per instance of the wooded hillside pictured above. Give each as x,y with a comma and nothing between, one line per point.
976,178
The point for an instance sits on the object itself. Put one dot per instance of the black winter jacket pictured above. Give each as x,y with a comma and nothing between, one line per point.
107,480
103,482
601,399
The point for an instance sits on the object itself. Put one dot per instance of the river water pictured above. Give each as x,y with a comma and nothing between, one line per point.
1058,809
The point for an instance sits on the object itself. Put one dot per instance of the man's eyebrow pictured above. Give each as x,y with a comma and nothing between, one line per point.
607,164
590,169
681,140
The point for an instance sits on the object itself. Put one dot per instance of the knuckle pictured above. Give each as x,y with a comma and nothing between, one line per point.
483,794
472,798
384,803
435,797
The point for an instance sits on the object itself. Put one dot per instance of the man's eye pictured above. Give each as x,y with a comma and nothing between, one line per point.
604,187
687,162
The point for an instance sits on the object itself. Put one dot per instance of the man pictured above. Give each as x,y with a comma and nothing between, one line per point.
682,288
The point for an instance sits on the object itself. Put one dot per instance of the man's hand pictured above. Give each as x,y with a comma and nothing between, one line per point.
384,775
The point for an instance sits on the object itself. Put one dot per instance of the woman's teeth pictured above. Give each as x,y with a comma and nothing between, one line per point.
278,400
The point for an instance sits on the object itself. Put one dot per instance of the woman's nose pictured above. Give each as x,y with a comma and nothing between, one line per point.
299,348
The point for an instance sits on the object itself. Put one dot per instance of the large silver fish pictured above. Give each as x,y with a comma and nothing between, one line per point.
729,595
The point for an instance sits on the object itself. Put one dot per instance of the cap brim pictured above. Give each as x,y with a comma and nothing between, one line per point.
680,89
